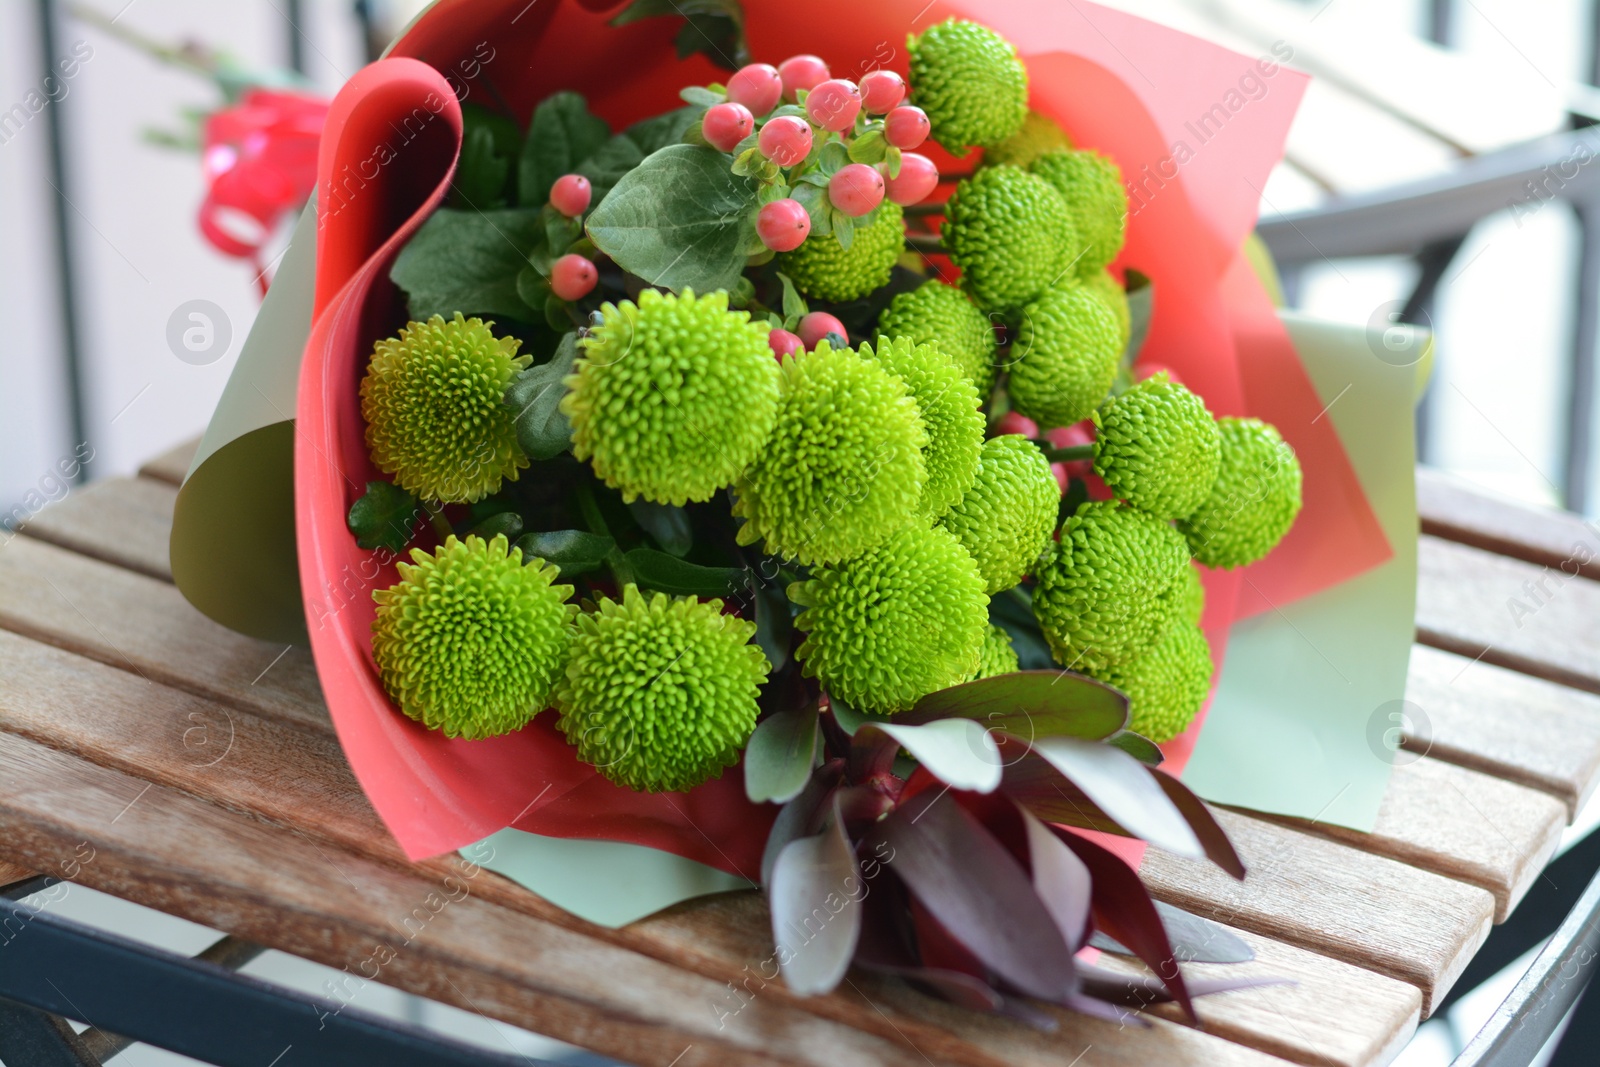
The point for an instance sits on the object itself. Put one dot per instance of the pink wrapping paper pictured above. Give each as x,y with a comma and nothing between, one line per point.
1123,86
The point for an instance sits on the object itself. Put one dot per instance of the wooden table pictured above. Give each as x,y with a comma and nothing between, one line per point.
201,768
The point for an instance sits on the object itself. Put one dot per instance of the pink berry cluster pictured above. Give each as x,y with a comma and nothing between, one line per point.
827,107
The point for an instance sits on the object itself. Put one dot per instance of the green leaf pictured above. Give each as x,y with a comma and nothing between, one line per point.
560,231
562,134
780,754
384,517
1009,612
667,523
748,162
794,305
535,395
700,96
468,261
892,158
774,624
629,148
1138,746
480,178
575,552
508,523
843,227
1031,705
533,286
870,147
743,291
1141,306
832,158
718,37
669,574
814,198
679,220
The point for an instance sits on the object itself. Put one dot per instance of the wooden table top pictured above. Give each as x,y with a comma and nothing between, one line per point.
201,769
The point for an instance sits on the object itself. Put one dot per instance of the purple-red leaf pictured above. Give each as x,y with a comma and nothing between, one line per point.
1124,789
1205,825
978,892
1194,940
1060,879
815,895
1030,704
1142,990
958,752
800,815
1123,909
1138,746
972,993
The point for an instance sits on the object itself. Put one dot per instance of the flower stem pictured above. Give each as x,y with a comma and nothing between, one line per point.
441,525
1065,455
925,243
925,209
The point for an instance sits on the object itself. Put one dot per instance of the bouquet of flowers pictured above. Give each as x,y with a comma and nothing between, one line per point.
784,467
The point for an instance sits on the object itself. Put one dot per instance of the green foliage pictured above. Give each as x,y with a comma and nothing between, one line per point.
562,135
629,148
384,516
679,220
534,397
574,552
714,28
468,261
486,175
669,574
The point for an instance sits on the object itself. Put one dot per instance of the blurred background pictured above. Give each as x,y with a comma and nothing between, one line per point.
1451,135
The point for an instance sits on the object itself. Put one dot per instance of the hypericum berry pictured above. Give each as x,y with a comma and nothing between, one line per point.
725,125
573,277
823,269
801,72
570,195
917,181
782,225
834,104
856,189
971,82
786,140
757,86
472,640
1158,448
881,90
815,326
906,127
433,398
784,343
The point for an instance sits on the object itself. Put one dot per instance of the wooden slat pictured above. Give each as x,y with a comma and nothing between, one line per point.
1321,895
1331,1014
1522,729
1462,824
1456,511
10,872
175,852
171,465
146,627
291,776
1530,618
126,521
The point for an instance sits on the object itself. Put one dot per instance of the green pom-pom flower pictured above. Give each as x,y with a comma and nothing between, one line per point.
1166,685
432,400
948,405
1064,357
1158,447
970,82
1105,595
1190,597
673,397
1005,520
660,693
470,641
943,316
822,269
894,624
1039,134
1104,285
997,656
1092,187
1254,500
843,468
1010,233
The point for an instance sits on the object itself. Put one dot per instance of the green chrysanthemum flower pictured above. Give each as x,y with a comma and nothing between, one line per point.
894,624
1254,501
1064,357
1190,597
660,693
1092,187
1106,593
673,397
1105,286
1010,233
1006,518
1039,134
470,641
948,405
1158,447
970,82
997,656
432,400
1166,685
820,268
843,468
943,316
